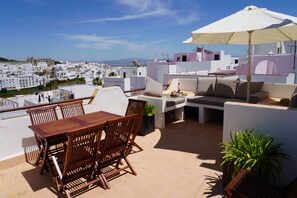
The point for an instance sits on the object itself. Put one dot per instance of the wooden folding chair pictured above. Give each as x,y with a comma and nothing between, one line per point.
77,163
71,109
246,185
135,107
113,148
41,115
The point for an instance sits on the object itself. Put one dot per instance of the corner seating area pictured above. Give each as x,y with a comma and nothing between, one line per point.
203,93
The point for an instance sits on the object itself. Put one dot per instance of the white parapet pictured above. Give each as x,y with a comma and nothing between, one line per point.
279,122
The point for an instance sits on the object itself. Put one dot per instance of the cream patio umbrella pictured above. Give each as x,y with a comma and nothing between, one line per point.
249,26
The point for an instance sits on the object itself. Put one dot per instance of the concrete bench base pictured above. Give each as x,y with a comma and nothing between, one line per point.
162,109
205,113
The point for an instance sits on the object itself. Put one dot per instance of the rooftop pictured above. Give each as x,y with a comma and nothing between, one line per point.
182,160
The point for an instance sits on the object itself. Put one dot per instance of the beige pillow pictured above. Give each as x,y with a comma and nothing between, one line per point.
153,88
206,86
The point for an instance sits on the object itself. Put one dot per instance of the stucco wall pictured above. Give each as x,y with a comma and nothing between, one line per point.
277,64
285,78
280,122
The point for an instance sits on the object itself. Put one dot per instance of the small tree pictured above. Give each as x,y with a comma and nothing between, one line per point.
3,90
111,74
97,81
40,87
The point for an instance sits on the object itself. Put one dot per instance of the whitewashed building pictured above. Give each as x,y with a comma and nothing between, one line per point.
201,60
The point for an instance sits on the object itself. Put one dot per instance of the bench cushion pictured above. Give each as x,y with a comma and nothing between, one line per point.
211,100
174,101
206,86
222,102
207,100
258,96
226,87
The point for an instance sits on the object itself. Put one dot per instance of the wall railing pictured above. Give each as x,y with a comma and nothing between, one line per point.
70,100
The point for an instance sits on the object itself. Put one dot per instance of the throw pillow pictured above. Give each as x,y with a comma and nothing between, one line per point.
206,86
226,87
241,91
153,88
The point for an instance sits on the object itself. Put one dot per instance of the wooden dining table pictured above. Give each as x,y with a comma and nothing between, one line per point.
49,130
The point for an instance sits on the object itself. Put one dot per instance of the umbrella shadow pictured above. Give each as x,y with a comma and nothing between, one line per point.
192,137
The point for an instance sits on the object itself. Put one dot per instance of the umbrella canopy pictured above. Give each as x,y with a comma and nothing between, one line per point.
267,27
249,26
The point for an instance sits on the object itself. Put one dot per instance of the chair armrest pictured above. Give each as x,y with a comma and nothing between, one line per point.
57,167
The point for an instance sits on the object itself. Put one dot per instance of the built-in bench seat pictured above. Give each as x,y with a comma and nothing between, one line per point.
207,93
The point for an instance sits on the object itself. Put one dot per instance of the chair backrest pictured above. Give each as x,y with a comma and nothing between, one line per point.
136,107
81,152
71,109
42,114
117,133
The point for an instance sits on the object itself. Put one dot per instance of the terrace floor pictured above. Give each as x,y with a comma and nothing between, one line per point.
182,160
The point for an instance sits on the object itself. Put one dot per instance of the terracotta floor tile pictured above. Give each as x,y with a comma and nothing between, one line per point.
181,160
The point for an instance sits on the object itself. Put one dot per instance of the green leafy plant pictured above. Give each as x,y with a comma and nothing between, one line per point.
256,153
149,109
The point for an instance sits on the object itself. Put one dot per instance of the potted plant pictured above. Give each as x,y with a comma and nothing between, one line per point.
256,153
148,119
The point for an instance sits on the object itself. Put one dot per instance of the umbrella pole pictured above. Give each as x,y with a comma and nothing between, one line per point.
248,77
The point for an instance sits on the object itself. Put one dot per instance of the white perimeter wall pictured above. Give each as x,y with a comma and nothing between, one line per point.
287,79
280,122
192,66
124,83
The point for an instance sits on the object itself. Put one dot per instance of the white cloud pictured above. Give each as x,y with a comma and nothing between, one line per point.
150,8
102,43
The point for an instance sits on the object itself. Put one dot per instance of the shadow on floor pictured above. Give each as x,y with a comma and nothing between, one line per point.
30,149
215,186
190,136
38,182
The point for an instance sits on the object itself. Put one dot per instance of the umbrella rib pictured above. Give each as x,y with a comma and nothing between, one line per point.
284,34
230,37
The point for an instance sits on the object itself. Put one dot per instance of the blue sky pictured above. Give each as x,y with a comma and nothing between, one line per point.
114,29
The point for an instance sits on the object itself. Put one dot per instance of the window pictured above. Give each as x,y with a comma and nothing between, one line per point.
217,57
184,58
236,61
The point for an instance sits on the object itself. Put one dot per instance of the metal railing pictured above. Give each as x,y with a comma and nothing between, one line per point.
56,103
46,104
